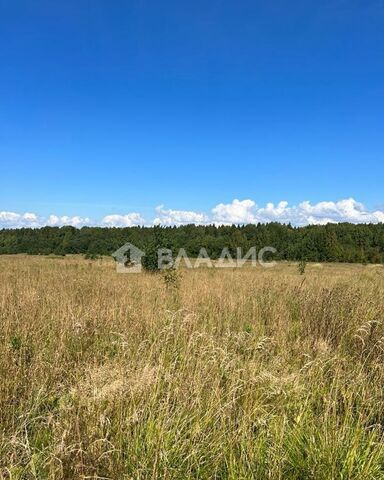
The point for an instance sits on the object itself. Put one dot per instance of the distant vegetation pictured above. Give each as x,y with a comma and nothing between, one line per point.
342,242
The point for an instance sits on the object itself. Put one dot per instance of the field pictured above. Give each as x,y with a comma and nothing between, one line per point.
226,374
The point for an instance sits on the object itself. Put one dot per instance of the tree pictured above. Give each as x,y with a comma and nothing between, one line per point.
150,261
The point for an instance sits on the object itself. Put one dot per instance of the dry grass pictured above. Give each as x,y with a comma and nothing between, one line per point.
234,374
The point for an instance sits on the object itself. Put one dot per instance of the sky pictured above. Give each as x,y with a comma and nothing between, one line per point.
142,112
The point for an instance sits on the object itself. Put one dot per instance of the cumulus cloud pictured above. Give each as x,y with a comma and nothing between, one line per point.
128,220
18,220
348,210
235,212
238,211
246,211
76,221
32,220
178,217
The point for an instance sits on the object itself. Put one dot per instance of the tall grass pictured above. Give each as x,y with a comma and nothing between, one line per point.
231,374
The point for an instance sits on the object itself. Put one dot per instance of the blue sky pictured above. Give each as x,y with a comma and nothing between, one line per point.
110,109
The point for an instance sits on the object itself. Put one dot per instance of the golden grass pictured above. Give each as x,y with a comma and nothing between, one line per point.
249,373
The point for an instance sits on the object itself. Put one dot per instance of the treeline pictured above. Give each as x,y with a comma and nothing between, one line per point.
343,242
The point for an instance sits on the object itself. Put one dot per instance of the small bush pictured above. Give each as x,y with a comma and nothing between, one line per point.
172,278
302,266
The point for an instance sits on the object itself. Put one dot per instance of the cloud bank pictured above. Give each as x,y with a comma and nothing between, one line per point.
20,220
179,217
305,213
128,220
247,211
235,212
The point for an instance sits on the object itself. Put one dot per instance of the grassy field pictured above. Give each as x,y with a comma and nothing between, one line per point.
227,374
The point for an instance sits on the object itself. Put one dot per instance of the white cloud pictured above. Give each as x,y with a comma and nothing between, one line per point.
239,211
235,212
129,220
178,217
76,221
246,211
348,210
18,220
28,219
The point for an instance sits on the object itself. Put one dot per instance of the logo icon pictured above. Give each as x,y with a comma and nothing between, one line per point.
128,259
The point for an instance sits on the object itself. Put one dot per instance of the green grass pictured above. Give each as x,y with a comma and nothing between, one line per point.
226,374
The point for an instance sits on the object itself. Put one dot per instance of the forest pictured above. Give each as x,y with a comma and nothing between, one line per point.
343,242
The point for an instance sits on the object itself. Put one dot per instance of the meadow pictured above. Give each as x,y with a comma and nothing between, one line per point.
246,373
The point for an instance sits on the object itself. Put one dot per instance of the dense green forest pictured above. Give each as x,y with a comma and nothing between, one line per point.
342,242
